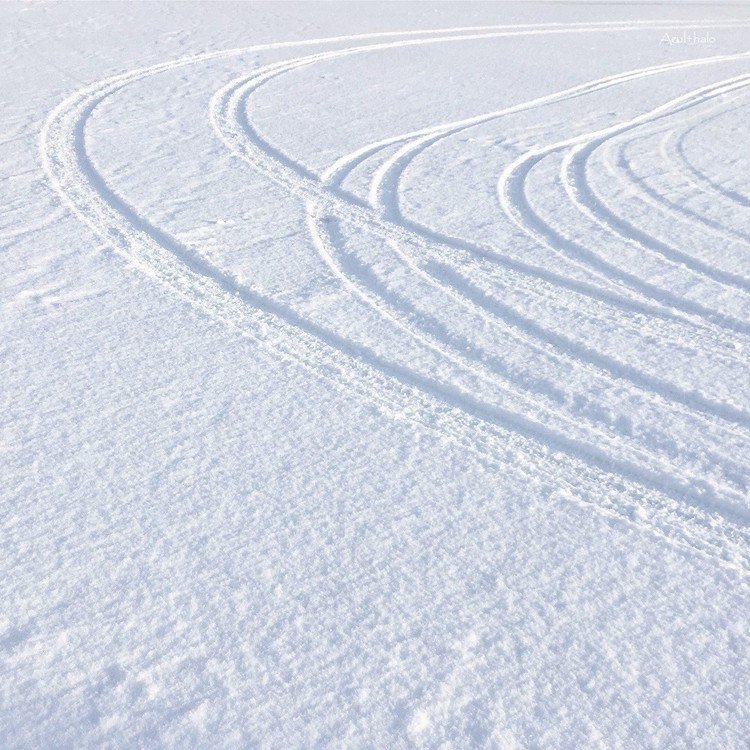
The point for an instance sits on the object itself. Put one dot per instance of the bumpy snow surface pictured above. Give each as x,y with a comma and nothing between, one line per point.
375,376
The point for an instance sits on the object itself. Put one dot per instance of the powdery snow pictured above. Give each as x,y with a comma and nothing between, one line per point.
375,375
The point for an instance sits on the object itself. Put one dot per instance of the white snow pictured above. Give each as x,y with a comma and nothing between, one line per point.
375,375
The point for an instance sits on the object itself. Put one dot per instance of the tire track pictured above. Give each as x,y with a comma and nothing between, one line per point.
702,179
620,167
513,200
513,395
300,180
356,370
229,114
388,175
384,190
573,176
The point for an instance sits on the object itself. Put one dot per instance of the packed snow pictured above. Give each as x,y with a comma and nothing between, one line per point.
375,375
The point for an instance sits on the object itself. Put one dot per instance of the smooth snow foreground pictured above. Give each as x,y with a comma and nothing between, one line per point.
375,375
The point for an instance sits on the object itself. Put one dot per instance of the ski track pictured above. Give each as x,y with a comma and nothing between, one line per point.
498,435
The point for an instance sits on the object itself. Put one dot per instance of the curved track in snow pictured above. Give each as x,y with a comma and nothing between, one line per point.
513,199
672,152
703,180
231,121
604,467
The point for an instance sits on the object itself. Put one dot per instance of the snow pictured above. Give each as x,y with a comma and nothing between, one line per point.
374,376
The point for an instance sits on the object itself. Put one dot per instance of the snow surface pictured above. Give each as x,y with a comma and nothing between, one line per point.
374,375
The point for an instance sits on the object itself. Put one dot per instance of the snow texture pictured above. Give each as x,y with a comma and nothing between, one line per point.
375,375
